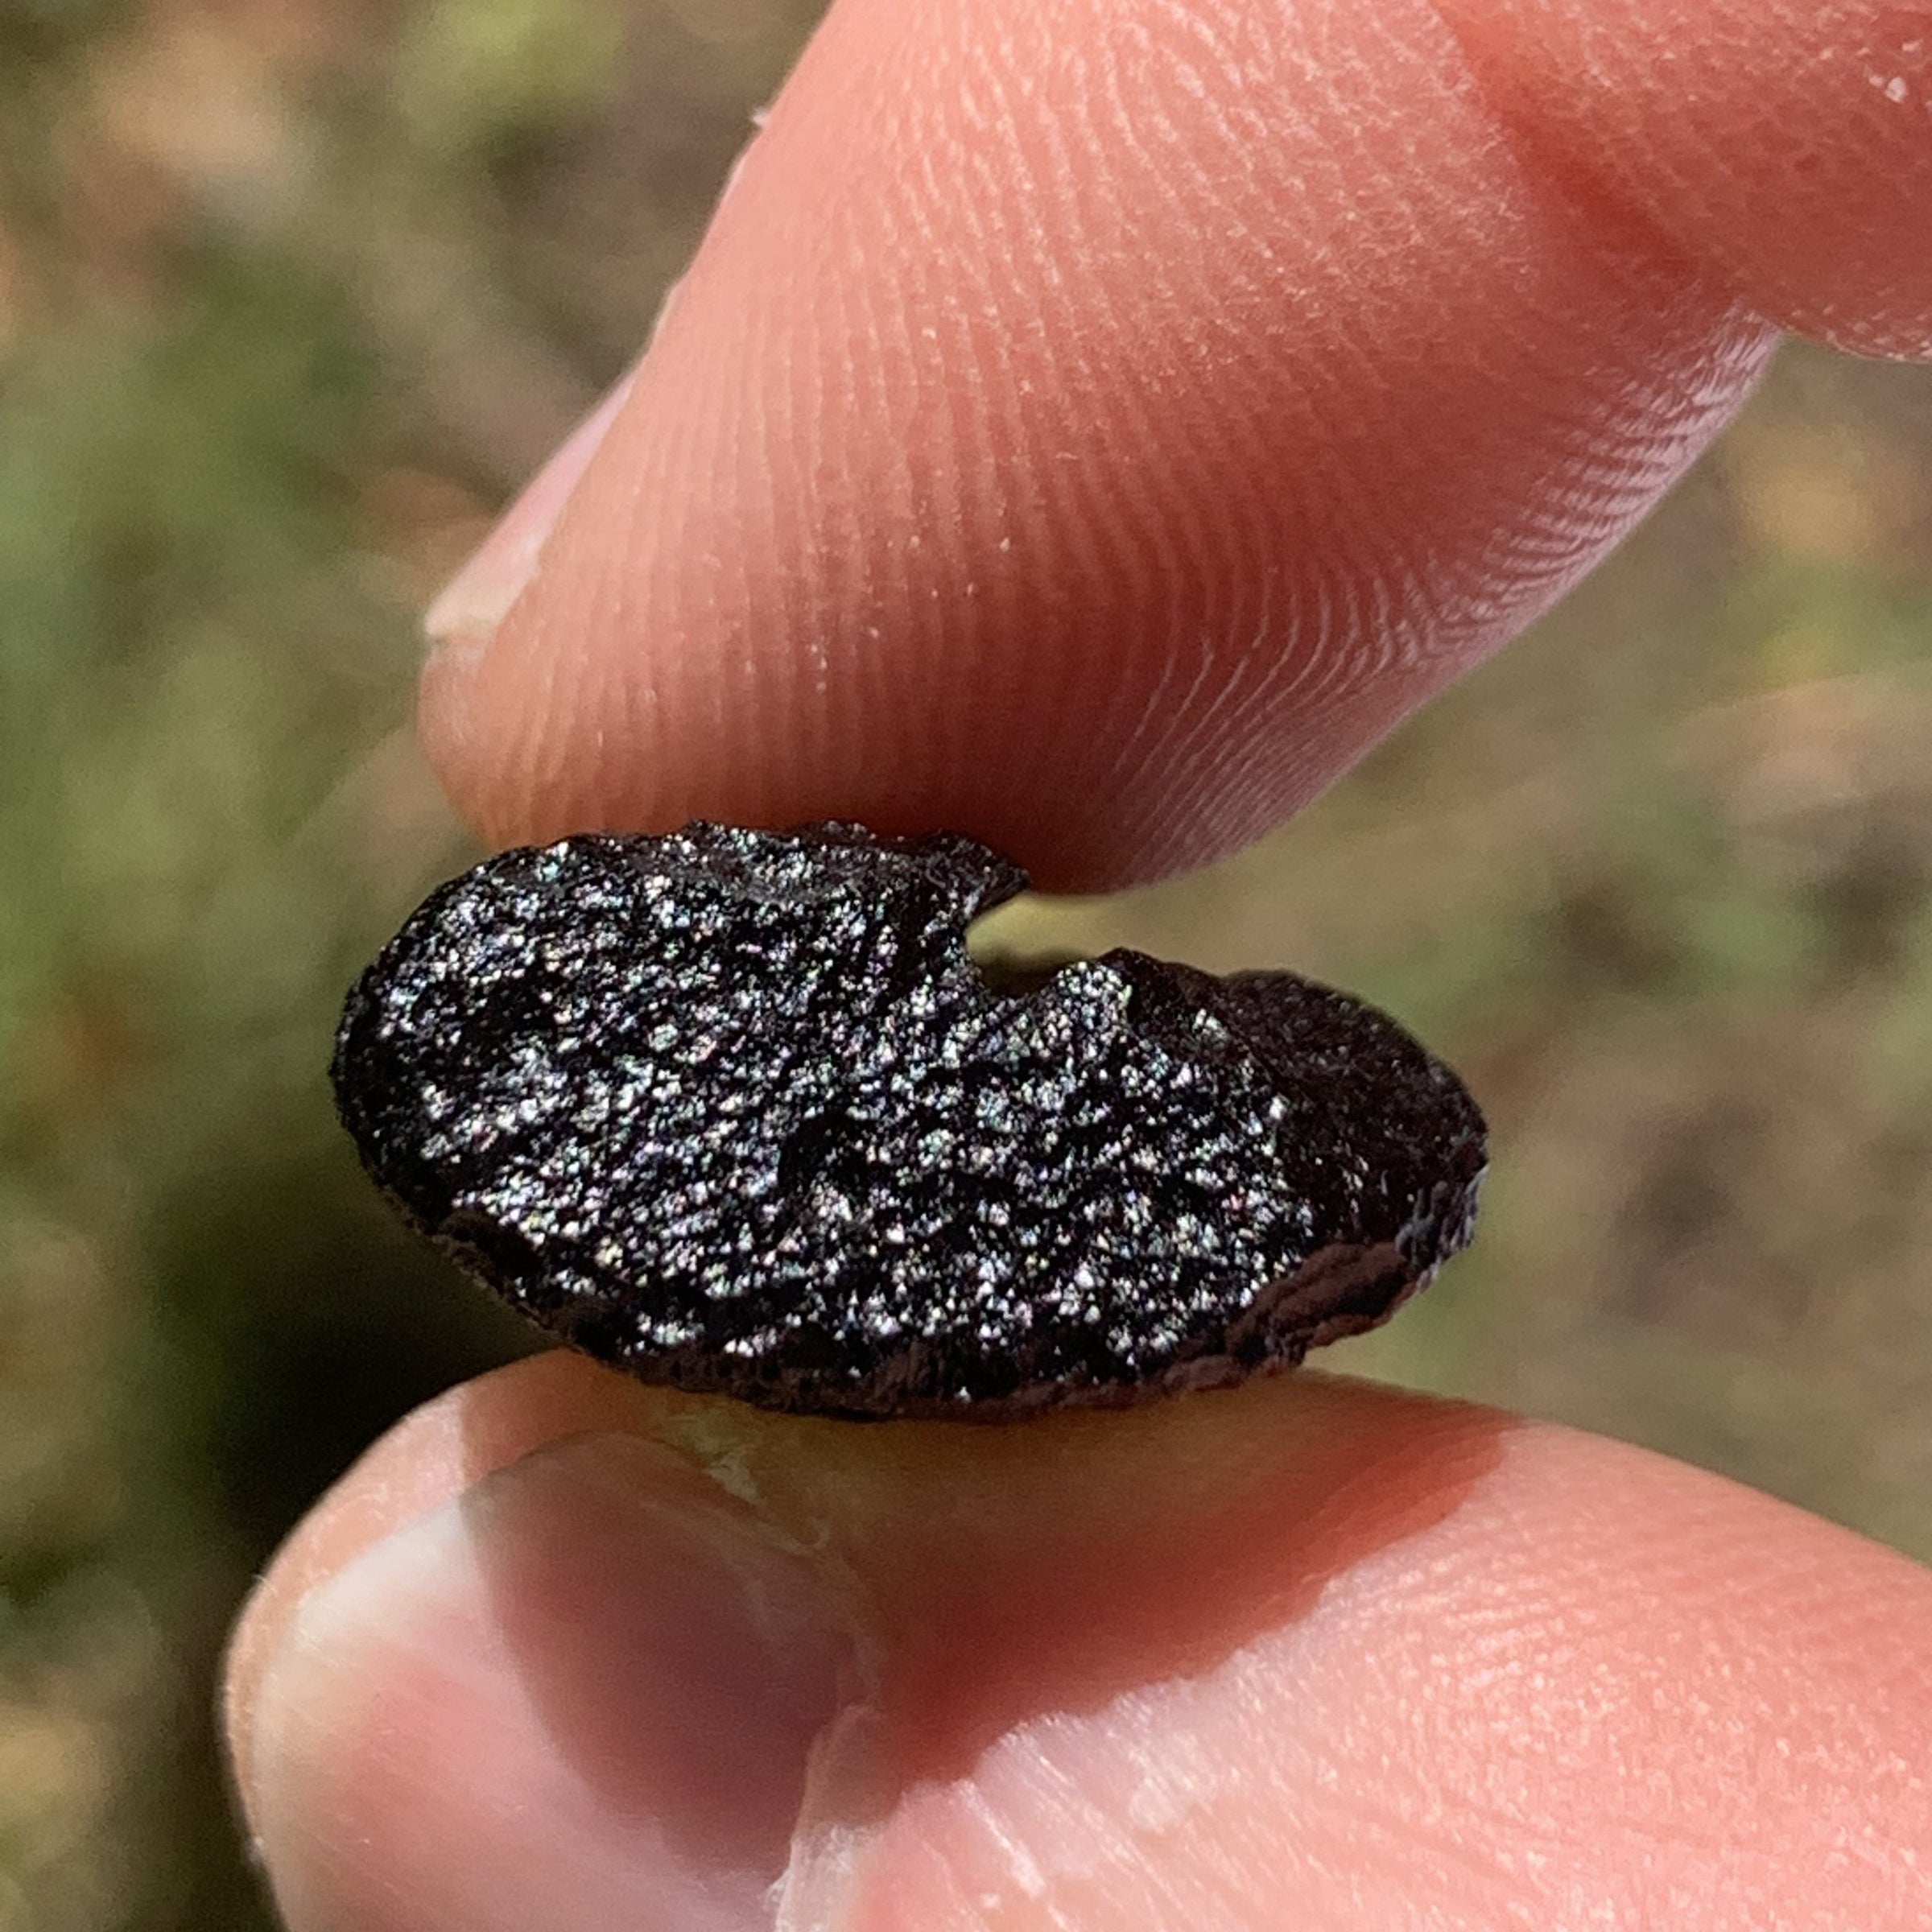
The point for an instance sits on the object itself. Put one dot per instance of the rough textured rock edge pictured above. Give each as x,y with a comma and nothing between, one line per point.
733,1110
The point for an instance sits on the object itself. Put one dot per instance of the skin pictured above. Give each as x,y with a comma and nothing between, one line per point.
1091,424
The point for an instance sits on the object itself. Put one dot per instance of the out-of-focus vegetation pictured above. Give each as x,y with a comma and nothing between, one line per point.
291,294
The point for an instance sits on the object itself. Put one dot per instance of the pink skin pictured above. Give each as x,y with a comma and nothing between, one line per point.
1386,1661
1171,396
1092,423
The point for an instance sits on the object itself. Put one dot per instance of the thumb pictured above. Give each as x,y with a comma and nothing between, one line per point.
565,1656
1090,426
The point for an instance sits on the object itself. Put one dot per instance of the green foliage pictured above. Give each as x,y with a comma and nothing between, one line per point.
481,76
180,695
169,499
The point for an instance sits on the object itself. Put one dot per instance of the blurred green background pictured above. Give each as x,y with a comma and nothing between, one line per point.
292,293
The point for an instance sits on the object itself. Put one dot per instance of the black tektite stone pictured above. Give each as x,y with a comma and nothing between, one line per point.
733,1110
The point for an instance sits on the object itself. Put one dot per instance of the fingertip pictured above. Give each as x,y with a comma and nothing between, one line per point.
558,1647
1226,1651
584,1692
1097,455
1094,454
475,602
424,1463
457,753
1604,1688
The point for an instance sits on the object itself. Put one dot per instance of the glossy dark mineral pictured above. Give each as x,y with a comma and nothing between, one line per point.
733,1110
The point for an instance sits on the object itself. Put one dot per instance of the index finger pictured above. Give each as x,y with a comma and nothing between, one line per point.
1091,426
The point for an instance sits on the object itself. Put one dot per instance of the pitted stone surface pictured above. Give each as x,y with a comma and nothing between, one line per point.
734,1110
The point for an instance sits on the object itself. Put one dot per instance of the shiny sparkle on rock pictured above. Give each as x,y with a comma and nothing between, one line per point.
734,1110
